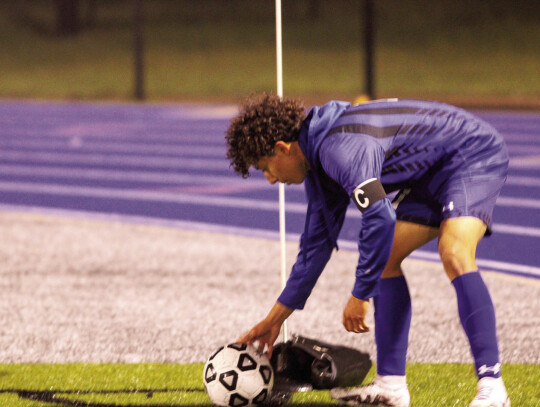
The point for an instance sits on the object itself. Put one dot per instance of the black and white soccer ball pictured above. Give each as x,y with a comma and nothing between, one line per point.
238,375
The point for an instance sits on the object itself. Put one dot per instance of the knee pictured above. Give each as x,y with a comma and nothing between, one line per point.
392,270
457,259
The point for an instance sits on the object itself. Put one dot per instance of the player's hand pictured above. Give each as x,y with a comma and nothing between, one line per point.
354,315
265,333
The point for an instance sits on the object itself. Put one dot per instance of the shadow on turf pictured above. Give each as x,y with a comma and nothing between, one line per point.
67,398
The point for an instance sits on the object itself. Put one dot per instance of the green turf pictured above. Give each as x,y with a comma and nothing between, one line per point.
224,50
181,385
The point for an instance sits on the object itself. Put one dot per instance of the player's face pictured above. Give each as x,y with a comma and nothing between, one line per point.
288,165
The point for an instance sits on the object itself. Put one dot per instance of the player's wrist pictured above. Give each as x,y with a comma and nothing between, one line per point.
279,313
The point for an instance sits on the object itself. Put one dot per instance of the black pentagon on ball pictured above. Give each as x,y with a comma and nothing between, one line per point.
246,363
215,353
210,374
229,379
261,397
266,373
237,400
237,346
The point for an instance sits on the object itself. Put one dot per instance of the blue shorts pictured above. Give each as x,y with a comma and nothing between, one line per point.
466,183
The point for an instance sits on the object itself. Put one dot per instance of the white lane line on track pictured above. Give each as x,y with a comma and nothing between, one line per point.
202,112
156,160
165,177
151,145
518,202
516,230
483,263
145,195
79,145
139,135
496,266
208,200
523,181
157,177
529,162
115,159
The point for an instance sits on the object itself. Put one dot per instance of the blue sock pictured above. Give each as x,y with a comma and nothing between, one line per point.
392,322
477,316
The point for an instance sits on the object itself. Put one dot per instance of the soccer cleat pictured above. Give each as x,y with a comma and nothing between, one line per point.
491,393
373,395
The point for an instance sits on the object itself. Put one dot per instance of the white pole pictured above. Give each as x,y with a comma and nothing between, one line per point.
279,62
279,54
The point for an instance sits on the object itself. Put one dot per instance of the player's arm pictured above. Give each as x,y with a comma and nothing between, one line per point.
355,162
375,238
310,262
374,243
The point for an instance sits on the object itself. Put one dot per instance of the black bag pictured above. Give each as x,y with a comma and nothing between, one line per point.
308,363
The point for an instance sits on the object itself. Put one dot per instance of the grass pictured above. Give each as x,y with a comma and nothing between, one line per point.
208,51
181,385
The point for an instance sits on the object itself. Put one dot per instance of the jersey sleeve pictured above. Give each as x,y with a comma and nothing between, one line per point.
351,159
374,244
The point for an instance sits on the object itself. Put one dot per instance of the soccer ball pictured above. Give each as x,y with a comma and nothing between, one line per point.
238,375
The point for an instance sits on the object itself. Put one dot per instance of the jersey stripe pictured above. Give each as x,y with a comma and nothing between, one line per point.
377,132
382,111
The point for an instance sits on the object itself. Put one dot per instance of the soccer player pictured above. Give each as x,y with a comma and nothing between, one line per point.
448,166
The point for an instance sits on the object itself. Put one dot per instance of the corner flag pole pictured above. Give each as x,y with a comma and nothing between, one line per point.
279,62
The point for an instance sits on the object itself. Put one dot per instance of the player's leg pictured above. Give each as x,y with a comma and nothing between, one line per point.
392,323
408,237
393,304
457,247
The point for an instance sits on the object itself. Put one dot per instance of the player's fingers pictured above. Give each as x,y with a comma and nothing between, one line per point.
359,326
260,348
355,325
270,349
348,324
364,327
247,338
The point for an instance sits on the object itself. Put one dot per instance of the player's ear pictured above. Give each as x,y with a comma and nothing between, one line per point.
282,147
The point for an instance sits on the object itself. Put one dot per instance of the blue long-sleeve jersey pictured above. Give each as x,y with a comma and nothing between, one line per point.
399,142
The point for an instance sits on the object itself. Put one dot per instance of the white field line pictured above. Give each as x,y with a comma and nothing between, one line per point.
516,230
483,263
150,145
518,202
242,231
163,177
198,199
58,110
168,177
145,195
140,133
157,177
523,181
115,159
78,144
531,162
431,256
136,219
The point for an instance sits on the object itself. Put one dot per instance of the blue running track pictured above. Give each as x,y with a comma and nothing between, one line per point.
166,164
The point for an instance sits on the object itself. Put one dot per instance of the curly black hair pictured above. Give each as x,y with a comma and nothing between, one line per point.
263,120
